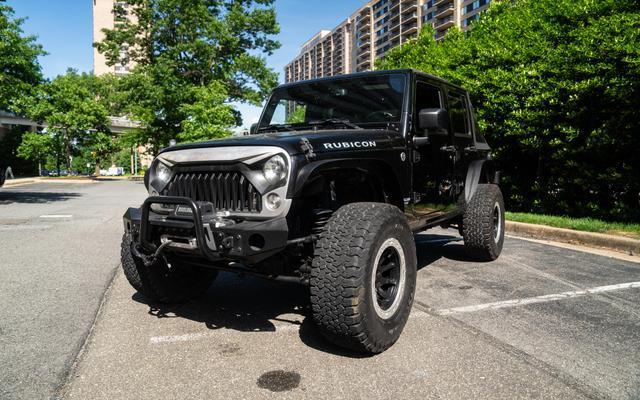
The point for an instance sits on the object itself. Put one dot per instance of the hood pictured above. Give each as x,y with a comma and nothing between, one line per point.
321,141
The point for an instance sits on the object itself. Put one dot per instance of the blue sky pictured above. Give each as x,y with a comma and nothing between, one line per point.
64,28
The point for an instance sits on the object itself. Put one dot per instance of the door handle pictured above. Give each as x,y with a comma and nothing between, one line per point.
448,149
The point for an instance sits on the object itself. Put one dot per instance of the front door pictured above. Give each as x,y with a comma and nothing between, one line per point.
433,163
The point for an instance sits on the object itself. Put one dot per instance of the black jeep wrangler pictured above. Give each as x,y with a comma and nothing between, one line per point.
328,190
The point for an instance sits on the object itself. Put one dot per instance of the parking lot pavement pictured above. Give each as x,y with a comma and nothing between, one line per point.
59,246
477,330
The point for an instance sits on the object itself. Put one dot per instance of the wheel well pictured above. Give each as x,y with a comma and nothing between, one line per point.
331,187
479,171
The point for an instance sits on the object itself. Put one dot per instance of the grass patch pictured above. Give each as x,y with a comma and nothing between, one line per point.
578,224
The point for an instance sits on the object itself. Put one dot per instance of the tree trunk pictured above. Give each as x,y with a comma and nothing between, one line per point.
97,171
67,152
132,161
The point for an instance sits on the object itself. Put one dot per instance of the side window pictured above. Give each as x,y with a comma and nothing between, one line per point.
427,96
459,114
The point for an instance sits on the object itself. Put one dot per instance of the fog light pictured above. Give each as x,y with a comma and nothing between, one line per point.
273,201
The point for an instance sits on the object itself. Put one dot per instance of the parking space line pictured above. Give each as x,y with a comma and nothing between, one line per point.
54,216
5,228
539,299
179,338
191,337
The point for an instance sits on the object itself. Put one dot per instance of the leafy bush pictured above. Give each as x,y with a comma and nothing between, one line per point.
557,87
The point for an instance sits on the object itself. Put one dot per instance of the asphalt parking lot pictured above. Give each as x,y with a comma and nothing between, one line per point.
59,248
541,322
476,331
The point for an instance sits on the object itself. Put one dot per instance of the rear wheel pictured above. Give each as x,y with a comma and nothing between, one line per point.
483,223
363,277
162,282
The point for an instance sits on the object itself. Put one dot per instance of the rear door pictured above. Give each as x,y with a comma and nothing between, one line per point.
433,164
458,107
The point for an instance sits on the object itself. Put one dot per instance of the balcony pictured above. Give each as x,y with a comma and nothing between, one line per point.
409,17
410,8
364,43
364,66
445,23
444,10
364,34
440,34
409,28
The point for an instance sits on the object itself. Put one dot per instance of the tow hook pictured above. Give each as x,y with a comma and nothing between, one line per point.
149,261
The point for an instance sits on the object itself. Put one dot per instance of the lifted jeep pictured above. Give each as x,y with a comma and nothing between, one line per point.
328,190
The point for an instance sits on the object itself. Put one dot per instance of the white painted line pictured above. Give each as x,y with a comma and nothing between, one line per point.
5,228
53,216
538,299
179,338
192,337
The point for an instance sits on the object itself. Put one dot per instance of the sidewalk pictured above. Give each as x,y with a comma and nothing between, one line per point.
36,179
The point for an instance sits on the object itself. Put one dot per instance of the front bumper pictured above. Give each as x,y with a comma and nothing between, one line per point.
194,229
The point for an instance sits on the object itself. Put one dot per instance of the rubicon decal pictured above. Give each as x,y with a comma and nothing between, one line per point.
350,145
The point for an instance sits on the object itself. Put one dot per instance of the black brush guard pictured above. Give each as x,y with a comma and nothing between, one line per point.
246,241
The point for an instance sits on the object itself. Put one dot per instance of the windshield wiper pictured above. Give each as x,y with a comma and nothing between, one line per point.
275,127
334,121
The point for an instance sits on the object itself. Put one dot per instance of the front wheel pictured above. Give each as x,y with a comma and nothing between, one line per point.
483,223
163,282
364,276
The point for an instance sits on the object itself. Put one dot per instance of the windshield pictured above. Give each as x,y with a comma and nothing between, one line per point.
350,103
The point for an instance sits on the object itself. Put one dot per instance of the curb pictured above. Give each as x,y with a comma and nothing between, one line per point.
601,240
19,182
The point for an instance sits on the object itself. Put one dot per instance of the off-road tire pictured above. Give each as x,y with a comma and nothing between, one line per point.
342,276
160,283
483,235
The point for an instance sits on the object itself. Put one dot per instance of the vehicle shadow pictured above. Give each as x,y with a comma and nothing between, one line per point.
9,197
432,247
249,304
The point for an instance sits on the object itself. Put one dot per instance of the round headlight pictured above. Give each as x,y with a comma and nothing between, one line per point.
275,169
163,172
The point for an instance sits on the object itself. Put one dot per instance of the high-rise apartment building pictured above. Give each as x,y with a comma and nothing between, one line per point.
105,18
374,29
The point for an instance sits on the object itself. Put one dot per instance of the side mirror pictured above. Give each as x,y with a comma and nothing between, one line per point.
433,119
253,129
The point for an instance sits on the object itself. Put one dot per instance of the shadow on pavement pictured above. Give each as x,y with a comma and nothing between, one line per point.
431,248
249,304
9,197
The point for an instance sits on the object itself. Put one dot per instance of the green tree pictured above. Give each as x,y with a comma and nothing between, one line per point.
181,47
557,88
100,147
19,67
71,108
35,147
208,117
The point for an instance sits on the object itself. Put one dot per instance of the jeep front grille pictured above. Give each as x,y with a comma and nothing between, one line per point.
228,191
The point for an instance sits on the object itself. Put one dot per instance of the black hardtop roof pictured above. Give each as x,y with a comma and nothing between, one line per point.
408,71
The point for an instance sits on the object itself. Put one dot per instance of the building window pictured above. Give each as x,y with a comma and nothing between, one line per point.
469,21
475,5
120,11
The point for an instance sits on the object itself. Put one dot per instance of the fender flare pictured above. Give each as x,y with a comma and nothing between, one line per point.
479,171
387,176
